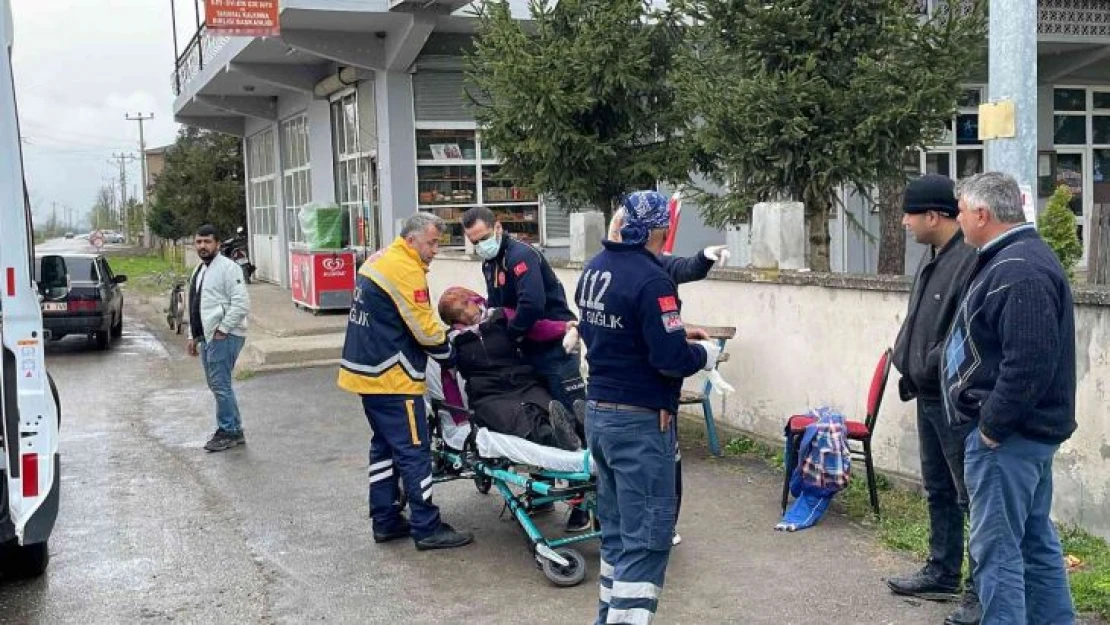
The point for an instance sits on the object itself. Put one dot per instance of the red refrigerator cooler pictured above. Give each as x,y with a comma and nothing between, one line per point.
322,279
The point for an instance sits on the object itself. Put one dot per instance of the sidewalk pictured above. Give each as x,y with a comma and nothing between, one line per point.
282,335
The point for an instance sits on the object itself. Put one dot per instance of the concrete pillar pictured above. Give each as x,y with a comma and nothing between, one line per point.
778,235
1013,75
396,149
587,230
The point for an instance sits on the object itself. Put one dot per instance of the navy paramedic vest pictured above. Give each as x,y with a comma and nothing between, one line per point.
632,326
519,277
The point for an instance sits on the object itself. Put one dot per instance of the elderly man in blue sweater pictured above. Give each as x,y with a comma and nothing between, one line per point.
1009,367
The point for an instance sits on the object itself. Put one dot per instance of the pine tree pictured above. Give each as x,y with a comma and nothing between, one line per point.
577,102
799,99
202,183
1056,223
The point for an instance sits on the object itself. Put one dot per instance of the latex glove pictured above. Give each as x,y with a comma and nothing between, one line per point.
717,381
570,339
717,253
712,353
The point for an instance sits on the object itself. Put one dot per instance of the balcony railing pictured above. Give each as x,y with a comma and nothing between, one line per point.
199,51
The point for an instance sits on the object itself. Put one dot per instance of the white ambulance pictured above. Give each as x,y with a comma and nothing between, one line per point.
29,409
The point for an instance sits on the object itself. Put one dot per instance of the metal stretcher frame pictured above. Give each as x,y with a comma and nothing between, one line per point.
560,563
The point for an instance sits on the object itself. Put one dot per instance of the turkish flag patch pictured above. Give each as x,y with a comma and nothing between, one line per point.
668,304
421,296
520,269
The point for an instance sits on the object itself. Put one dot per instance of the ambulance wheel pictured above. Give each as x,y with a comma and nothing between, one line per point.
483,484
565,576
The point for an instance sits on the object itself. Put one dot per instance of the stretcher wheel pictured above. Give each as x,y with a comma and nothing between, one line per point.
483,484
565,576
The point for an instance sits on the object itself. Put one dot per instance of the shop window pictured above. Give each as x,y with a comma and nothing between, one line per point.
1100,129
261,194
451,178
1069,99
352,151
297,175
1070,129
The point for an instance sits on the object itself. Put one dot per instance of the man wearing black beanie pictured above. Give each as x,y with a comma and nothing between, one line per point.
931,210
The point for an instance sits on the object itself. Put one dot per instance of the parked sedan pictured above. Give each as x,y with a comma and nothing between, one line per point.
81,295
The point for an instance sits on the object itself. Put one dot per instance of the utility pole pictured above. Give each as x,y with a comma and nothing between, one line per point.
122,161
142,160
53,218
1012,76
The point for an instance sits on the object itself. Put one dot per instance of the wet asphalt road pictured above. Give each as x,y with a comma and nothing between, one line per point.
153,529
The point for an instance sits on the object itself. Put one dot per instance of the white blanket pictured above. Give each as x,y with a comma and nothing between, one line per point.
495,445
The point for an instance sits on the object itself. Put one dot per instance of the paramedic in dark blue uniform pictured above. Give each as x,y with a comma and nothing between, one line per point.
681,269
519,277
638,353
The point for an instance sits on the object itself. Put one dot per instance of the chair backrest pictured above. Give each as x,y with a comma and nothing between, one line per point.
878,385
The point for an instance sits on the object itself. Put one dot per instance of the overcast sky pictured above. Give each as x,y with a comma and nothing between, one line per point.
80,65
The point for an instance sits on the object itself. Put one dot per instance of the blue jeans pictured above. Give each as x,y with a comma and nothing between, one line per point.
636,506
218,359
1019,564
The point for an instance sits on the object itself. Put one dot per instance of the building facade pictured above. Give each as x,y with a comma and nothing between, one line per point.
361,104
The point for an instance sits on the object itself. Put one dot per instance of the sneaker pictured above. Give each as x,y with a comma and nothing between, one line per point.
563,425
445,538
970,611
579,521
221,441
240,438
676,540
923,585
402,531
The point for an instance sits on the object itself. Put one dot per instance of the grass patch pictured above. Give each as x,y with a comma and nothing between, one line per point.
243,375
904,526
147,272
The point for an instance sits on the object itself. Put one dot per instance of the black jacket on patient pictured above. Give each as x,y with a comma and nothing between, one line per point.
501,388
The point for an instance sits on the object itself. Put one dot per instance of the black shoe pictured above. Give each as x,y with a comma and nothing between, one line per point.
402,531
579,521
923,585
563,425
580,411
970,611
445,538
240,438
221,441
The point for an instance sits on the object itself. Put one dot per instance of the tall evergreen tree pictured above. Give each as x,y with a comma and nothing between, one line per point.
202,183
577,102
798,99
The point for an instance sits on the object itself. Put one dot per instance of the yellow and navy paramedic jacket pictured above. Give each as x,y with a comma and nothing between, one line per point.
391,329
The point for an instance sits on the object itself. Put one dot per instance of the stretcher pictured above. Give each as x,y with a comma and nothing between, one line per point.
526,476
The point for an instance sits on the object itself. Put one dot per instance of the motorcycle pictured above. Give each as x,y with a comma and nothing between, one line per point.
235,248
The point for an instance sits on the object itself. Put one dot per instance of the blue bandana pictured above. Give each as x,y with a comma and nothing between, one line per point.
644,211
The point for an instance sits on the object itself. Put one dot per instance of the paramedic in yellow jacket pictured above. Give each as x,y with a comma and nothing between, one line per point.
391,332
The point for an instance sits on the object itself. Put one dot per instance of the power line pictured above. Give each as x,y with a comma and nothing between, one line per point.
122,159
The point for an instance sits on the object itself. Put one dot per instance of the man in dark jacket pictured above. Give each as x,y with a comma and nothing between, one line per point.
1008,369
638,352
931,210
519,277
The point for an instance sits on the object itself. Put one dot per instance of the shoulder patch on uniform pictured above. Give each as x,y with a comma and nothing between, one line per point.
420,296
520,269
668,304
672,322
500,279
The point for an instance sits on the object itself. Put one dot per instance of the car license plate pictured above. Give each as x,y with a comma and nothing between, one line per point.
51,307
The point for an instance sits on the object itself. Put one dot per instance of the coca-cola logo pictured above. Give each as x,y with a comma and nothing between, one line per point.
334,263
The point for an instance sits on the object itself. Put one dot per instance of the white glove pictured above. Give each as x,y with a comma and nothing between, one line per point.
717,253
712,353
718,383
570,339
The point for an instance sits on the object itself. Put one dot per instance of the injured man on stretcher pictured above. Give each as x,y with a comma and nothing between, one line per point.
500,389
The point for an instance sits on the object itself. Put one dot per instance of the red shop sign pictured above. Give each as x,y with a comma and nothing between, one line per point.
243,18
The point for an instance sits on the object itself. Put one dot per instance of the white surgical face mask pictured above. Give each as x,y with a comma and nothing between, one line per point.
488,248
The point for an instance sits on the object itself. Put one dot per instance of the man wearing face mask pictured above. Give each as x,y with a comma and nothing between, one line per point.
519,277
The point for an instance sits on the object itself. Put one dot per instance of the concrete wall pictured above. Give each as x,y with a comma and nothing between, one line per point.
804,340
